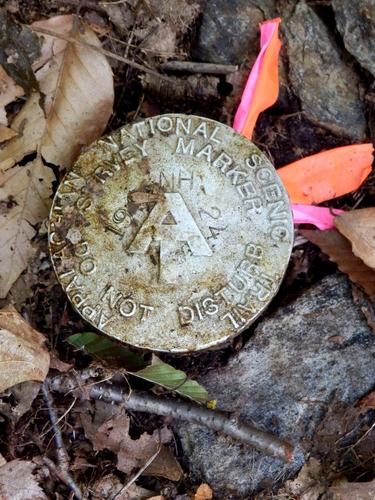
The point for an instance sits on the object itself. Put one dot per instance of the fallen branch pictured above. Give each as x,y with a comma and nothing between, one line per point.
143,402
198,67
62,470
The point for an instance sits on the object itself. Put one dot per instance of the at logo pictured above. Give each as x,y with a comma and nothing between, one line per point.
170,223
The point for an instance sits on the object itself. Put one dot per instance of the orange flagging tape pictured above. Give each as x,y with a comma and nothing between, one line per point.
328,174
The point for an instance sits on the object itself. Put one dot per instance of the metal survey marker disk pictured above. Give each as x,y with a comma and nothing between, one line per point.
171,234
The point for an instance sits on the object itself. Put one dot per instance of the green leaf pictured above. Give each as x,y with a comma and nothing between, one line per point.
107,350
174,380
158,372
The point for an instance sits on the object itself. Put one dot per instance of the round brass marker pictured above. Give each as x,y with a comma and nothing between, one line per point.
171,234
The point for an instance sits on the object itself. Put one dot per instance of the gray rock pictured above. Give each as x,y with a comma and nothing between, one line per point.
299,358
229,32
356,23
328,88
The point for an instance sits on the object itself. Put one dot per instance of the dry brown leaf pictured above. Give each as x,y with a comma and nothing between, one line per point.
358,226
164,465
59,365
134,453
17,400
204,492
9,91
6,133
162,41
22,352
17,482
179,13
78,85
308,485
120,15
24,201
110,486
353,491
339,251
52,46
29,125
367,402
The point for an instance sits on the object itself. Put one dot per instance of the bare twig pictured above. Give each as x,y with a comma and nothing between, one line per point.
218,421
199,67
60,418
62,470
117,2
107,53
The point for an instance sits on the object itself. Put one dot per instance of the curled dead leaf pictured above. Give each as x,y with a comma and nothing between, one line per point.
22,352
358,226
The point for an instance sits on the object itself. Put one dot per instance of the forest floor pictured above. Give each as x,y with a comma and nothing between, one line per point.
326,100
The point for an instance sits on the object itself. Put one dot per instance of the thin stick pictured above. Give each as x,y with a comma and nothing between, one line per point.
199,67
117,2
240,431
217,421
62,471
107,53
64,477
60,418
363,436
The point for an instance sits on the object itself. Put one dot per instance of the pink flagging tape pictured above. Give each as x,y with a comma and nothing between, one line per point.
262,86
320,217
